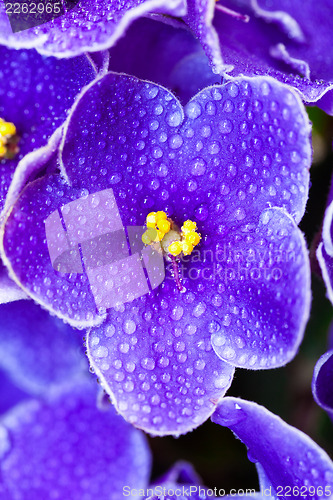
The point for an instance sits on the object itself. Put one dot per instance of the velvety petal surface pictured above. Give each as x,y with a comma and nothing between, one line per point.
67,295
163,54
67,448
257,156
88,26
199,18
285,456
10,394
36,93
322,382
261,325
39,352
156,361
280,39
9,291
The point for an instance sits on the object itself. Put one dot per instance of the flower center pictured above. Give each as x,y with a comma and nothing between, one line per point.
174,242
8,139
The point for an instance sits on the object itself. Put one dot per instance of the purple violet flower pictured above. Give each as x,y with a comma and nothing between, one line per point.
65,447
89,26
236,161
270,37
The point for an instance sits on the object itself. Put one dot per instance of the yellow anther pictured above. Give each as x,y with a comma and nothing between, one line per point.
163,225
193,238
173,241
187,247
7,128
150,236
175,248
160,235
189,226
8,139
160,216
151,219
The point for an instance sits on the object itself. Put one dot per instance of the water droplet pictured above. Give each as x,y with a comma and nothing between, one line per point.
225,127
198,167
177,313
174,119
148,363
193,110
129,327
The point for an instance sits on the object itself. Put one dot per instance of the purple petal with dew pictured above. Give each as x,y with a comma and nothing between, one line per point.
155,359
89,27
304,40
36,101
282,44
262,128
157,144
259,326
66,294
199,18
284,455
32,165
163,54
68,448
38,351
322,382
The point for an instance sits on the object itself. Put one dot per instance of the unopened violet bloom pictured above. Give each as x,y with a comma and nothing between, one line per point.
322,382
83,26
324,251
233,163
65,447
289,40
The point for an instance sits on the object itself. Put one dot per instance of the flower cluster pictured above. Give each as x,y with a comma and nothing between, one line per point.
154,160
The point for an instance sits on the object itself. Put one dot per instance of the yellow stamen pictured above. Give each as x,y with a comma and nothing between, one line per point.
187,247
175,248
163,225
160,216
189,226
173,241
7,128
193,238
8,139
